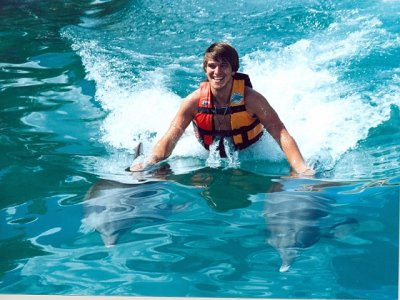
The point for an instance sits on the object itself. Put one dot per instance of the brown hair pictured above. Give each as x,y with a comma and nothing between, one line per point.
223,52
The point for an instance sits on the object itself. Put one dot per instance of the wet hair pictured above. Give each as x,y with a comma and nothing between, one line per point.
222,52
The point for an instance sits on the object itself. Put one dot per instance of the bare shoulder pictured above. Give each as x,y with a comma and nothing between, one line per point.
193,97
257,105
189,104
255,101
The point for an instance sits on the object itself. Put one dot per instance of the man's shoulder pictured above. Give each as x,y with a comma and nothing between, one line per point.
255,101
194,96
190,103
251,94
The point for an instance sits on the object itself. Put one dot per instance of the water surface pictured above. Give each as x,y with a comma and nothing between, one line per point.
82,83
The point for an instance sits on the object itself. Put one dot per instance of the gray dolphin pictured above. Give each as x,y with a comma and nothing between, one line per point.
296,221
111,207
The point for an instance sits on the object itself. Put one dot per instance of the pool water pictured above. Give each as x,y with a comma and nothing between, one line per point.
82,83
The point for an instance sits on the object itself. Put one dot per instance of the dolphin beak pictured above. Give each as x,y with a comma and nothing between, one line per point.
287,257
109,240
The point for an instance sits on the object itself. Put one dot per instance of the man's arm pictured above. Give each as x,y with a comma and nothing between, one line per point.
259,106
164,147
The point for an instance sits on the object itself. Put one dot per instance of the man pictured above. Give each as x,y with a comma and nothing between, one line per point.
225,111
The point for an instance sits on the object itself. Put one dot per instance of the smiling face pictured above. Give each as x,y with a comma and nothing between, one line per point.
219,74
220,62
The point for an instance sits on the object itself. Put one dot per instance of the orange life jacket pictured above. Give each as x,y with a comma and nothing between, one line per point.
244,130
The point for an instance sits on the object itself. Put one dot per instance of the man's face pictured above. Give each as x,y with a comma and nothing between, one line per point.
219,73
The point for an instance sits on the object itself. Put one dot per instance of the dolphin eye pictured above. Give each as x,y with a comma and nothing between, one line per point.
119,209
143,194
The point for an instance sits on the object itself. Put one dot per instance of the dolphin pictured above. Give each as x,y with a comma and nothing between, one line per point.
112,207
296,221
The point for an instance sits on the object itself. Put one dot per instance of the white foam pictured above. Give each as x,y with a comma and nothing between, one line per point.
326,112
304,82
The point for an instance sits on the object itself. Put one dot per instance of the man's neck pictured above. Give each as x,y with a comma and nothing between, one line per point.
222,96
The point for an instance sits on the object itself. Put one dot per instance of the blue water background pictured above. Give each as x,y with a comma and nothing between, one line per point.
82,83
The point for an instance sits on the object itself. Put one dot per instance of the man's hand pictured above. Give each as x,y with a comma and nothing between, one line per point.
305,172
136,167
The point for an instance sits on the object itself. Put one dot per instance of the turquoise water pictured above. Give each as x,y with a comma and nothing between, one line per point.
82,83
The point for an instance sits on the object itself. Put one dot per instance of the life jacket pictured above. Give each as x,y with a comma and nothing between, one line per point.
244,130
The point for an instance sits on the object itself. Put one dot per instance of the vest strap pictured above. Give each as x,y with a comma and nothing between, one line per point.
221,111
